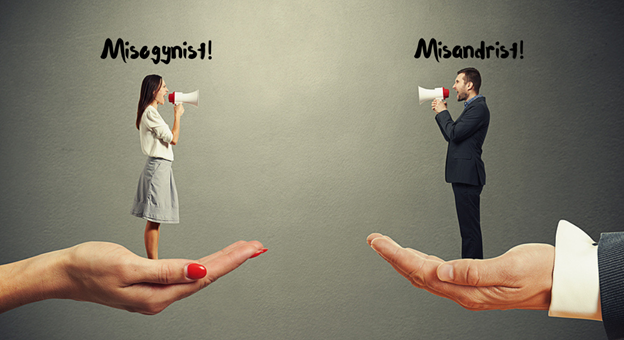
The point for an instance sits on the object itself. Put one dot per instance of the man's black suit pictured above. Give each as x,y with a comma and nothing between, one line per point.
611,272
465,169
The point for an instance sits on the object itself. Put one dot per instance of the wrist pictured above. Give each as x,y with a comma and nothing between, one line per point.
34,279
576,284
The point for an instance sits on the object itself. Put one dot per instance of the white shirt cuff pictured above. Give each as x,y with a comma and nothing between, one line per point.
576,285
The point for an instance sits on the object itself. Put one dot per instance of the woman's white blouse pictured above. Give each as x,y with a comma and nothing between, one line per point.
155,135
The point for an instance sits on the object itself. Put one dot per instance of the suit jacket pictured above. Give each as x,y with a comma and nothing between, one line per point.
465,138
611,273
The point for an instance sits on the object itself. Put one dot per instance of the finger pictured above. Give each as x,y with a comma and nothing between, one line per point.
385,247
425,278
171,271
387,250
371,237
413,265
258,253
423,255
168,271
417,267
467,272
194,271
222,251
229,260
387,244
153,298
234,246
406,274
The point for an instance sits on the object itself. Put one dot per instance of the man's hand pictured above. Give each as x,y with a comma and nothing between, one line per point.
438,105
519,279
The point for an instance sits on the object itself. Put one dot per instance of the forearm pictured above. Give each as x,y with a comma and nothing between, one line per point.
444,115
34,279
576,287
469,122
175,131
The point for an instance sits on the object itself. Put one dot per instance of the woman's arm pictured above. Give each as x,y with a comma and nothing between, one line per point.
178,110
34,279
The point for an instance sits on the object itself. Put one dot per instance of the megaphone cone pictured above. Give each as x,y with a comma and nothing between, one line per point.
188,98
437,93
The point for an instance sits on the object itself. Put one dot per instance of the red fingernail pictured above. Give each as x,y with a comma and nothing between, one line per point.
195,271
263,250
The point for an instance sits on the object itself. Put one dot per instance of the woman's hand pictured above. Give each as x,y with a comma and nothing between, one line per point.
111,275
178,110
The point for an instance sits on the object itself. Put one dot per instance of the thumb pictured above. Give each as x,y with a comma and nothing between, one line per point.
171,271
473,272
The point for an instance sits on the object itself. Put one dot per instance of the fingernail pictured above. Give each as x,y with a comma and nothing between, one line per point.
261,251
445,272
195,271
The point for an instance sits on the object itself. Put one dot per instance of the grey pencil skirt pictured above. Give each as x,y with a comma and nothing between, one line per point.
156,198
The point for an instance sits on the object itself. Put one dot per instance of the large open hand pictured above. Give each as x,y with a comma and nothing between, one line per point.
519,279
109,274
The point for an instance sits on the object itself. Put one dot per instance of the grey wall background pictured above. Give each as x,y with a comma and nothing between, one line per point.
308,138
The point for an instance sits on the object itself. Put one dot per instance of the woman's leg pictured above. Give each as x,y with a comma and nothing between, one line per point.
152,232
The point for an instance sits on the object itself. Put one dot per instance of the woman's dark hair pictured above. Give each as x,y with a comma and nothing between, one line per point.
149,87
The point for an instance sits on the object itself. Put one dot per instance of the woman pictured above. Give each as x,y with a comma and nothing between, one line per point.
156,199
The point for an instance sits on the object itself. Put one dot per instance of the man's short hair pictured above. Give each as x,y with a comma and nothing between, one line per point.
472,75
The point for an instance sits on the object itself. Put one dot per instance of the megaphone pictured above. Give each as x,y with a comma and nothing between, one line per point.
189,98
437,93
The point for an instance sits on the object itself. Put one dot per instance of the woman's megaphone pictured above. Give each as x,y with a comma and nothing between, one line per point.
437,93
188,98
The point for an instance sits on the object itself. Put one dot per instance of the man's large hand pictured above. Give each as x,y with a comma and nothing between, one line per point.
519,279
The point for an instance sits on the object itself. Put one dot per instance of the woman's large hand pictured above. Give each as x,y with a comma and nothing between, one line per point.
111,275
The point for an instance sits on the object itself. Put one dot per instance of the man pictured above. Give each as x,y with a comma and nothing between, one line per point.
464,168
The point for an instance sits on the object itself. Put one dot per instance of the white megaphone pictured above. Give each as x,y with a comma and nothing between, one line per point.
437,93
190,98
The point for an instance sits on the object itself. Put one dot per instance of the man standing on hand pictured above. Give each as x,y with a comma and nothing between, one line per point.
464,168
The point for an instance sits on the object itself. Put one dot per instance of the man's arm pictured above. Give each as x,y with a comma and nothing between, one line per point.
473,117
611,271
575,291
439,106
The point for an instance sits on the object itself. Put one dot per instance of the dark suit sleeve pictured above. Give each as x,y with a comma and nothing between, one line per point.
443,116
466,125
611,273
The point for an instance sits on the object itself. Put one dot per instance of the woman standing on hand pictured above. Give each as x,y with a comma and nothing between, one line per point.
156,199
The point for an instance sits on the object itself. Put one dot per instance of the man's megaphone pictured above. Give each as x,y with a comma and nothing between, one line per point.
188,98
437,93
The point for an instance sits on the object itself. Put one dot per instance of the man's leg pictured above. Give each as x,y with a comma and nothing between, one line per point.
467,199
